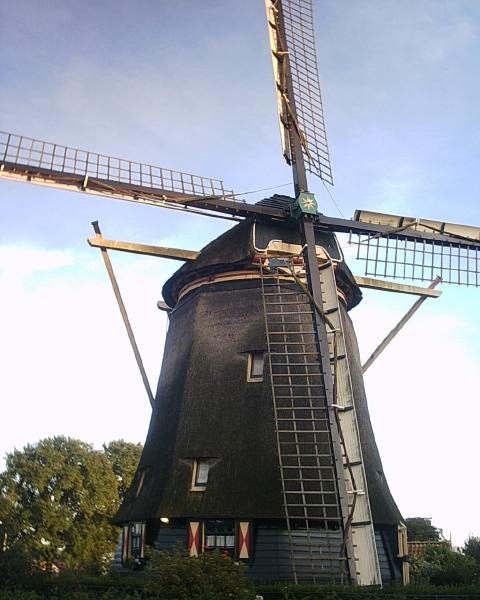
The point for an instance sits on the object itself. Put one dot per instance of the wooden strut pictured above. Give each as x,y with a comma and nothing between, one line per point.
190,255
408,315
123,311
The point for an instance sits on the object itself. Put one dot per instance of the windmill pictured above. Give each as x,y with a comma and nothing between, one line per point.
382,237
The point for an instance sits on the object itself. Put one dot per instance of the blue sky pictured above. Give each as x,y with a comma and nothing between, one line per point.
188,85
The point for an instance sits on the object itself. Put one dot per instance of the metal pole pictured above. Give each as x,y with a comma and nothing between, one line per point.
123,311
381,347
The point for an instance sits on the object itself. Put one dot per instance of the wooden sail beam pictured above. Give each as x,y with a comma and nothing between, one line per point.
390,286
134,248
189,255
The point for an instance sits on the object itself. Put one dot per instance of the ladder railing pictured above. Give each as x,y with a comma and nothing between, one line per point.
321,535
306,458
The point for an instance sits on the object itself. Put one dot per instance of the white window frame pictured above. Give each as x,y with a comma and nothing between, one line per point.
250,363
197,486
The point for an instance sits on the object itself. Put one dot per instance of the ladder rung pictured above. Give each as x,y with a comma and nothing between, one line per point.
320,558
309,467
324,408
286,314
297,454
292,385
301,396
291,333
290,323
297,374
296,364
305,322
293,354
309,419
317,373
280,293
306,505
301,456
309,493
327,430
289,303
300,480
293,344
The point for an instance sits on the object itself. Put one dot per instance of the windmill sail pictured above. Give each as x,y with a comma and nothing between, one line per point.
448,250
299,100
38,161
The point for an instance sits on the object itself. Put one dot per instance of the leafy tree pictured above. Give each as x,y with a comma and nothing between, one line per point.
124,458
472,548
441,565
420,529
60,496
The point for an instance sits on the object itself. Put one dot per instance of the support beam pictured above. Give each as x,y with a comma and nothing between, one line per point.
381,347
390,286
123,311
173,253
189,255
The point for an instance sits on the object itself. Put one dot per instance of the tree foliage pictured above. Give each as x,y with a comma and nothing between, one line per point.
472,549
420,529
124,458
440,565
58,498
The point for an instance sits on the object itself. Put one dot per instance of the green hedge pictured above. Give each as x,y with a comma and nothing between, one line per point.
140,588
313,592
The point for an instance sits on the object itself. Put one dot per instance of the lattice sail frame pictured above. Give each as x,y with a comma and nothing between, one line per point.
294,18
455,258
18,151
419,260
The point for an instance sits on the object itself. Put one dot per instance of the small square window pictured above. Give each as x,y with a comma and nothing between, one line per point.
255,366
200,475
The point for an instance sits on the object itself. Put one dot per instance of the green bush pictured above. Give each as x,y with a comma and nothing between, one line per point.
211,576
13,566
443,566
16,594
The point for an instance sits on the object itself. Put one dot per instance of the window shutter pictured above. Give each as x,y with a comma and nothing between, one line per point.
244,540
194,538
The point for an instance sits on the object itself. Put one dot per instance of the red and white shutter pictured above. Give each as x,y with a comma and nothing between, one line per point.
194,538
244,540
